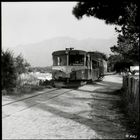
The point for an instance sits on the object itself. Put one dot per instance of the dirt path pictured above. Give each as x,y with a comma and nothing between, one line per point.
89,112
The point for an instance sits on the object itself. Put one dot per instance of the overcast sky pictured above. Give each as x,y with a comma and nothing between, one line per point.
31,22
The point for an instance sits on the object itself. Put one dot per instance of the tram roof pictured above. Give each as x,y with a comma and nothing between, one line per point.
61,52
95,56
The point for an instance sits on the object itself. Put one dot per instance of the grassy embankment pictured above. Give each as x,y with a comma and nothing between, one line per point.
27,83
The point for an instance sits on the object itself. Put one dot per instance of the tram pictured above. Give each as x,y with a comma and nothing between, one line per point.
76,66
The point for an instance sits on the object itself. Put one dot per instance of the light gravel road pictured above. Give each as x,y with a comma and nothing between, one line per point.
88,112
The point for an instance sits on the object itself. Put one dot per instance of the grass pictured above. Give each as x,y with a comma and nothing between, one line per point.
27,83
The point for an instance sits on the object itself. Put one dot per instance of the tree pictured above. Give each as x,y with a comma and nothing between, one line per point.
21,64
8,70
11,68
112,61
128,38
112,11
123,13
118,64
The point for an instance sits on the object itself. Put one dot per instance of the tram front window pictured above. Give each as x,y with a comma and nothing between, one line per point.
60,60
75,60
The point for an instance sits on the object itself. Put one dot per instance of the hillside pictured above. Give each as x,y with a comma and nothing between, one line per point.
40,54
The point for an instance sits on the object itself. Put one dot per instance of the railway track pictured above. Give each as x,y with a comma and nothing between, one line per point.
24,98
17,105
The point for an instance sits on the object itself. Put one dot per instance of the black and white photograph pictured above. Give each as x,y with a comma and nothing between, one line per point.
70,69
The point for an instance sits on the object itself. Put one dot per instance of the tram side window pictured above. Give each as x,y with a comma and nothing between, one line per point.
86,61
95,64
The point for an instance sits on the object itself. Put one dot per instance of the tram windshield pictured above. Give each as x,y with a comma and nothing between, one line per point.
73,59
76,60
60,60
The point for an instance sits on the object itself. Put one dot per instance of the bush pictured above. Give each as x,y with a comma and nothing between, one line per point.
21,64
8,70
11,68
15,76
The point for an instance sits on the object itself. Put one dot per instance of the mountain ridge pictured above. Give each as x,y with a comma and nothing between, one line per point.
40,53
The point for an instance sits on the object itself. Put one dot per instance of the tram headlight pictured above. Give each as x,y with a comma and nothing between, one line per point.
83,71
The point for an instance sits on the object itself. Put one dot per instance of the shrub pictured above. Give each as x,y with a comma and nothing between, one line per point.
21,64
8,70
11,69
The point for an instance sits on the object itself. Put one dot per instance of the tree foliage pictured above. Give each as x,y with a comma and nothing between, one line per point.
11,68
118,64
21,64
112,11
128,38
123,13
8,70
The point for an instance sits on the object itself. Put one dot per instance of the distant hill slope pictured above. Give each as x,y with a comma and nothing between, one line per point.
40,54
